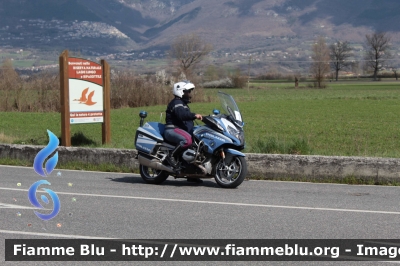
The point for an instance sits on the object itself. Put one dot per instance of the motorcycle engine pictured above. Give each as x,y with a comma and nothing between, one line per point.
189,155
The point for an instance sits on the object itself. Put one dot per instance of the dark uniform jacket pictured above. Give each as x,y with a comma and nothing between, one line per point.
179,115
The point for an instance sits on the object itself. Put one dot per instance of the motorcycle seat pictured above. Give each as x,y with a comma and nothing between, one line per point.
160,128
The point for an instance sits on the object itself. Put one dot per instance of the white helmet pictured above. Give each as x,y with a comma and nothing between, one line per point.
182,86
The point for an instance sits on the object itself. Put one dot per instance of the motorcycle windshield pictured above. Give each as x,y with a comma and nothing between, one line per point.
229,106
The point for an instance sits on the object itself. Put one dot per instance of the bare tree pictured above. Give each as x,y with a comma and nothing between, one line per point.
8,75
320,65
395,70
9,81
189,50
378,45
340,52
248,74
356,67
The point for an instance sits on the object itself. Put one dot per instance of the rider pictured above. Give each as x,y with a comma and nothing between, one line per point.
179,120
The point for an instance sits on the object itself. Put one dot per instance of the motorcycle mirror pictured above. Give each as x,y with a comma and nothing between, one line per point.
143,114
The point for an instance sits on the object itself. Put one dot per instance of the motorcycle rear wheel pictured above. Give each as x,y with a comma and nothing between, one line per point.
152,176
232,174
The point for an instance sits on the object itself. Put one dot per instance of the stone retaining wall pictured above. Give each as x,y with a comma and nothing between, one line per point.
259,165
317,167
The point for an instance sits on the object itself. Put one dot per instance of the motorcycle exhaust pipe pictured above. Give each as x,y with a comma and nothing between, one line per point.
201,168
155,164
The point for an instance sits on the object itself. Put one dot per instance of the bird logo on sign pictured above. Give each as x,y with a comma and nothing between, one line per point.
83,96
88,100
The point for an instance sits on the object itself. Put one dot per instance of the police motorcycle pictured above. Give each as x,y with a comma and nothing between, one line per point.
215,152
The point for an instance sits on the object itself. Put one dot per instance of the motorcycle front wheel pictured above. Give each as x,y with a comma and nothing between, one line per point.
152,176
231,175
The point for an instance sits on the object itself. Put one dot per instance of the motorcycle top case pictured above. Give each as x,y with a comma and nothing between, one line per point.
148,136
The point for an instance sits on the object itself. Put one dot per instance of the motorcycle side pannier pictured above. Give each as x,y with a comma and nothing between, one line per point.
148,136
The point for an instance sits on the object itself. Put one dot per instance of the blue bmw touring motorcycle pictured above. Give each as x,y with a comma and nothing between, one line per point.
215,152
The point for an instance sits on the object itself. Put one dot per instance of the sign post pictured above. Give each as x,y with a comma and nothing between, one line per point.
85,95
106,126
64,98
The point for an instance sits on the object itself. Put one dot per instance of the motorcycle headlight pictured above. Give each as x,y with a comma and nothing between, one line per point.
220,127
236,133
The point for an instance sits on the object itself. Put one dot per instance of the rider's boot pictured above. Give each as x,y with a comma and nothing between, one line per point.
170,158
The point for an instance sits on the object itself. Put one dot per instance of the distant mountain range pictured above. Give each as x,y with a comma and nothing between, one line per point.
230,25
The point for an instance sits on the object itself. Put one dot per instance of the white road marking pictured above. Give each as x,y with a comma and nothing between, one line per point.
269,181
121,239
60,169
217,202
11,206
50,235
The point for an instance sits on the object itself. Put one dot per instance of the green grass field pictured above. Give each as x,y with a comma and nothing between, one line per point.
345,119
23,63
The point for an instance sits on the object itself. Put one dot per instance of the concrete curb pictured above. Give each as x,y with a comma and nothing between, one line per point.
118,157
320,167
265,166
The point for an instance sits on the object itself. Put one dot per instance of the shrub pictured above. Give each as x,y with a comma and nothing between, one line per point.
222,83
130,90
238,80
41,92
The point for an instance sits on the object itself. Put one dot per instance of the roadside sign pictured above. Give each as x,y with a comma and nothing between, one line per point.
85,91
84,95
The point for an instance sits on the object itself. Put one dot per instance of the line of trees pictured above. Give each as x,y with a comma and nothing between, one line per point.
189,50
337,55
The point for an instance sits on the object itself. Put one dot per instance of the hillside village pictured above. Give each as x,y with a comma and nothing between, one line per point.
48,31
289,53
252,35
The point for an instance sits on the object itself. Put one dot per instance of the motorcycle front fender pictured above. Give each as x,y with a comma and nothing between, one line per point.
230,154
234,152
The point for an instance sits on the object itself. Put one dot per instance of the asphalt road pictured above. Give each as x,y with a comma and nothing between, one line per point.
114,205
